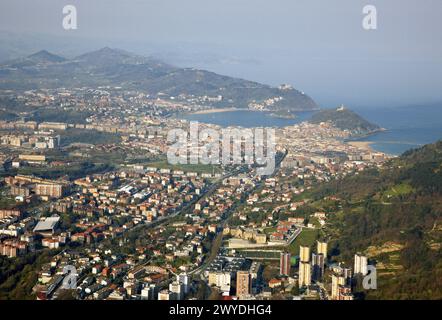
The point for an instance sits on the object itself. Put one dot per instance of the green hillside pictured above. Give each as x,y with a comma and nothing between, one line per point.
394,215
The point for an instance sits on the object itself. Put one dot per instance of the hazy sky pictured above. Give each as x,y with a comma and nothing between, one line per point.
318,46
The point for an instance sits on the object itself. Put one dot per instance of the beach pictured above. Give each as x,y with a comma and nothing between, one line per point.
209,111
365,145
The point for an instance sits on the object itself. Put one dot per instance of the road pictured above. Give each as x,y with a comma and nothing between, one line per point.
190,205
217,244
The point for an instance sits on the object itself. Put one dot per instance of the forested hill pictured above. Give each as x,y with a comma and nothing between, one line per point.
394,215
345,119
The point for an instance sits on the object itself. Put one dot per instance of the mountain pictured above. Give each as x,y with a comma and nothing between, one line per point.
345,119
394,216
44,56
115,67
108,56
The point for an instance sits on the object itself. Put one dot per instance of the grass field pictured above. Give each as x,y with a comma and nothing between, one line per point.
87,136
398,190
307,237
269,230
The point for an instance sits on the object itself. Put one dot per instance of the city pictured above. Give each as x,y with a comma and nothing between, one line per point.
138,228
220,158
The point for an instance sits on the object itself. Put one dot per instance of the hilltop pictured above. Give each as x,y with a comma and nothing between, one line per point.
345,119
44,56
38,59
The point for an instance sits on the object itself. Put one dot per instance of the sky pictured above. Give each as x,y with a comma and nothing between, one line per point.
319,47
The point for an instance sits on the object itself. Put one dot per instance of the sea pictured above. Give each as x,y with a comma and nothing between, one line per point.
407,127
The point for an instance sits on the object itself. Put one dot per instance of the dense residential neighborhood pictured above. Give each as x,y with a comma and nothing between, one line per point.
96,193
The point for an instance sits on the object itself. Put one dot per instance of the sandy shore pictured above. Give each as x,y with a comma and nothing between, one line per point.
365,145
208,111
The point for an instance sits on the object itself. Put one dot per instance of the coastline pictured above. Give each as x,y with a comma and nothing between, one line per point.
364,145
368,146
210,111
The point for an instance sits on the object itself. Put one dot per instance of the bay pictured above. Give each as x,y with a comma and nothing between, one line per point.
245,118
406,127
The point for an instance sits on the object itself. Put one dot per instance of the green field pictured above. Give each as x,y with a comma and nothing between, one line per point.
87,136
307,237
399,189
269,230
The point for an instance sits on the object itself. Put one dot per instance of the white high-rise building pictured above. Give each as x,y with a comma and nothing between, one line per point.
304,254
337,282
322,248
183,278
305,274
149,292
348,274
166,295
178,289
361,264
